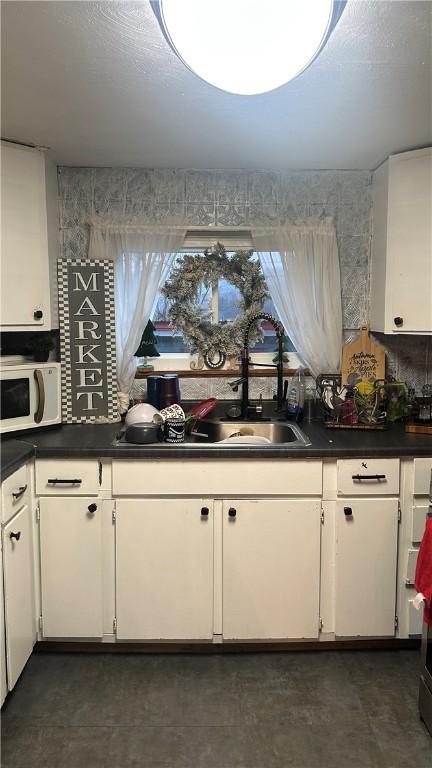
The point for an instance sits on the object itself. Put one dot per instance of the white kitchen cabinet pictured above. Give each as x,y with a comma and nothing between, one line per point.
271,568
368,477
3,681
226,478
29,239
366,560
401,276
20,622
67,477
71,567
164,569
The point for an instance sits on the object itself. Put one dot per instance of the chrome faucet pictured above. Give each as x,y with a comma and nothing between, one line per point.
246,408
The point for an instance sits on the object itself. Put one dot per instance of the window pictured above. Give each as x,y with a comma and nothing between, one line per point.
225,303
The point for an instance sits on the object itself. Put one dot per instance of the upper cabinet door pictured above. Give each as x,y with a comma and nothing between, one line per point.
25,284
401,275
410,242
271,568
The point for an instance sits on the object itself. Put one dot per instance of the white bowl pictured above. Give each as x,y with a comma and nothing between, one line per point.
140,413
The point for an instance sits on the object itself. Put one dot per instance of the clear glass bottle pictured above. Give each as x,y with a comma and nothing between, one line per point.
296,395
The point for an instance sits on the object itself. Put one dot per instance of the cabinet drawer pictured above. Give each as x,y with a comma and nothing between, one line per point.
216,478
15,492
415,620
422,477
368,477
420,513
411,567
64,477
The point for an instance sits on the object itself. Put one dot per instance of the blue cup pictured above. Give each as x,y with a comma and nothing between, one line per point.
153,391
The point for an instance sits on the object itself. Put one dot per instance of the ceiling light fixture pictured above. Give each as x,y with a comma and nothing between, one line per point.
247,46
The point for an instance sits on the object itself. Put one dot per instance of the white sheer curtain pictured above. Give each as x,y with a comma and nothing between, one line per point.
301,266
142,259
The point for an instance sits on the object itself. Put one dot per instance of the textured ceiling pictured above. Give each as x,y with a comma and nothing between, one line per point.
98,84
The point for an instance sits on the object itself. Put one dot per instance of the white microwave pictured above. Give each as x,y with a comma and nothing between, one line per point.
29,395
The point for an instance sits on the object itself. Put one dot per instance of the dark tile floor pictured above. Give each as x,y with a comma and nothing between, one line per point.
281,710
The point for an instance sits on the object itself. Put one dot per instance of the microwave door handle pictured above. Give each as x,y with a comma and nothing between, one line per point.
41,394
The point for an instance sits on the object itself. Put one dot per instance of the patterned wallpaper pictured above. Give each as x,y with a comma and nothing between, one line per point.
240,198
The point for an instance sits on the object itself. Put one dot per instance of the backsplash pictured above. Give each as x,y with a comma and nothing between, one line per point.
242,198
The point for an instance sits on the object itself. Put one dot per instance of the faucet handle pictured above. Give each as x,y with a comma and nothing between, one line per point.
257,408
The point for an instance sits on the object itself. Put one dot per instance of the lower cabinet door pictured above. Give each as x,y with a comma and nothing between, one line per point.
271,568
3,683
20,622
164,569
366,560
71,567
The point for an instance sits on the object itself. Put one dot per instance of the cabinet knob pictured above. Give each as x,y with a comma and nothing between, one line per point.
92,508
347,511
398,321
38,314
16,536
232,512
204,512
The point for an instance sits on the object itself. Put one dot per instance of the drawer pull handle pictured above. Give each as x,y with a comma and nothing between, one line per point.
57,481
204,512
348,511
16,536
92,508
369,477
20,492
232,512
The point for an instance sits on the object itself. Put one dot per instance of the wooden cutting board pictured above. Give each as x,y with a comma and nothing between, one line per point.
363,359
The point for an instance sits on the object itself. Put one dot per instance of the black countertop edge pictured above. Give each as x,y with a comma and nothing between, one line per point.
96,441
262,453
14,453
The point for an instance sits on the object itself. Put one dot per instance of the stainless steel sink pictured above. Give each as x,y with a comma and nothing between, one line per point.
216,434
278,433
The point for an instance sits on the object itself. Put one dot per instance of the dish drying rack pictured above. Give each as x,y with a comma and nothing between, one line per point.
347,407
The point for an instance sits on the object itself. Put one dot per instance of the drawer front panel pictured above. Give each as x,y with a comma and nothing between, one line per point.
411,566
422,477
415,620
15,492
368,477
216,478
65,477
420,513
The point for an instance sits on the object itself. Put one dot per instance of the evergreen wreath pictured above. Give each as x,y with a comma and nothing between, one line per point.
200,334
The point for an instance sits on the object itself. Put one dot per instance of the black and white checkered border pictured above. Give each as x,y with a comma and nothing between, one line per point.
111,362
63,266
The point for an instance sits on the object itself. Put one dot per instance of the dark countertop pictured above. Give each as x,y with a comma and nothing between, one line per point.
96,441
14,453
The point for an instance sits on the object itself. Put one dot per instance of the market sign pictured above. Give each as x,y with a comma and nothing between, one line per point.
87,337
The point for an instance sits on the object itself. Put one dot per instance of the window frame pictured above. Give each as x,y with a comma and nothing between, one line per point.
196,241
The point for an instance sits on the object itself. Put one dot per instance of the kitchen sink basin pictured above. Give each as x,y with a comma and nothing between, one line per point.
243,432
215,433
